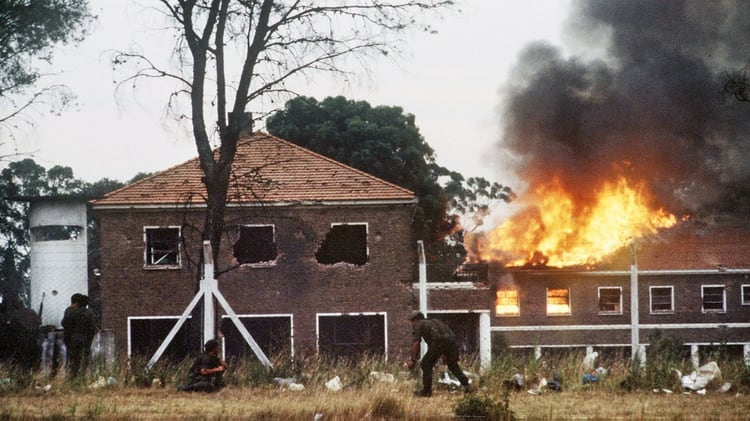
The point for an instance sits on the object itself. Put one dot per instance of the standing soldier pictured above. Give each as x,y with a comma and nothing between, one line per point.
441,341
80,327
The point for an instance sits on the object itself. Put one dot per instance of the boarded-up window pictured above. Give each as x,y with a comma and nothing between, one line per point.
273,334
145,335
713,298
255,244
162,246
345,243
351,335
661,299
610,300
558,301
506,303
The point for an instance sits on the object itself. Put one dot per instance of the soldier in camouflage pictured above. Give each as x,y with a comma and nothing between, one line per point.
441,341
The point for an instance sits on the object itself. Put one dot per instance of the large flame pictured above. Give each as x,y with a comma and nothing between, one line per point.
558,232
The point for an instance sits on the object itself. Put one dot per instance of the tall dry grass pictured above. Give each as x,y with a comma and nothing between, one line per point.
252,394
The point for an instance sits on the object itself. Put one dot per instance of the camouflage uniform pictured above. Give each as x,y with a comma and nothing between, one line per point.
441,341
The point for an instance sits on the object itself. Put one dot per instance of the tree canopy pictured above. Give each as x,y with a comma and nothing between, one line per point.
29,32
385,142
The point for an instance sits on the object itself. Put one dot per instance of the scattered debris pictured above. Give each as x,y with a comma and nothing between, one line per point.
699,378
382,377
589,361
284,381
594,376
452,383
334,385
318,416
296,387
515,383
110,381
44,389
156,382
726,387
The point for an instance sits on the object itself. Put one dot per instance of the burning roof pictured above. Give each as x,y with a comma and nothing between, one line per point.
620,145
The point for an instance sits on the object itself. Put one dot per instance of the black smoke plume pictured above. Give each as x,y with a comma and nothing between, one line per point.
642,96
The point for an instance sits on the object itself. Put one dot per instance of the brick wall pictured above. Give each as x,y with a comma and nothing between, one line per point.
295,284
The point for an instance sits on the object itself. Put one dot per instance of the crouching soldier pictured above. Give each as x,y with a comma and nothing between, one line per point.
207,372
441,341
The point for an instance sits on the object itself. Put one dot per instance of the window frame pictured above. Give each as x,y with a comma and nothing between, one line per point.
723,299
570,304
518,303
146,255
742,294
618,311
651,299
320,349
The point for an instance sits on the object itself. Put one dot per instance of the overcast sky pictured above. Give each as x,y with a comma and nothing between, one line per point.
450,81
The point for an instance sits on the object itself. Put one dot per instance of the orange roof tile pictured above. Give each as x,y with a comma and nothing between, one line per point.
266,170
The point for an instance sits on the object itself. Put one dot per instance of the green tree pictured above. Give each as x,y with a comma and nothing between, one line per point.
29,33
271,41
386,143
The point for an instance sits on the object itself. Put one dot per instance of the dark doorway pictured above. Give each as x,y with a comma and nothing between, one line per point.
351,335
466,328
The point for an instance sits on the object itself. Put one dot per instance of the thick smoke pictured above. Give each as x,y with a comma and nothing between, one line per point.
651,108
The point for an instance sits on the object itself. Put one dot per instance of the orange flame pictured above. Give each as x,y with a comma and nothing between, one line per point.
557,232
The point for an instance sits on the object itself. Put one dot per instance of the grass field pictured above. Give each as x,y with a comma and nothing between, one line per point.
375,402
251,393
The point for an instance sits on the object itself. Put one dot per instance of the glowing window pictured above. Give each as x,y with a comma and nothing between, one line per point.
506,303
558,301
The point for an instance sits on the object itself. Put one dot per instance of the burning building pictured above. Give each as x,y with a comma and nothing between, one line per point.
636,210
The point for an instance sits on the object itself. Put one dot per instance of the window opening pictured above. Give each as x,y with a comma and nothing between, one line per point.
661,299
256,244
56,233
273,334
162,246
745,295
506,302
713,298
558,301
610,300
344,243
466,328
147,333
350,336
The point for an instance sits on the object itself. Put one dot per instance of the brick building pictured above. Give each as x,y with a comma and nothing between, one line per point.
317,256
691,281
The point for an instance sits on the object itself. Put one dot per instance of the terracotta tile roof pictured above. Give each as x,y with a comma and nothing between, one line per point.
267,170
689,246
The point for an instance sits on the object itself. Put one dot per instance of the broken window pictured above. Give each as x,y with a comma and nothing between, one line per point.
145,335
506,303
713,298
56,233
344,243
255,244
610,300
662,300
273,334
558,301
162,246
351,336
